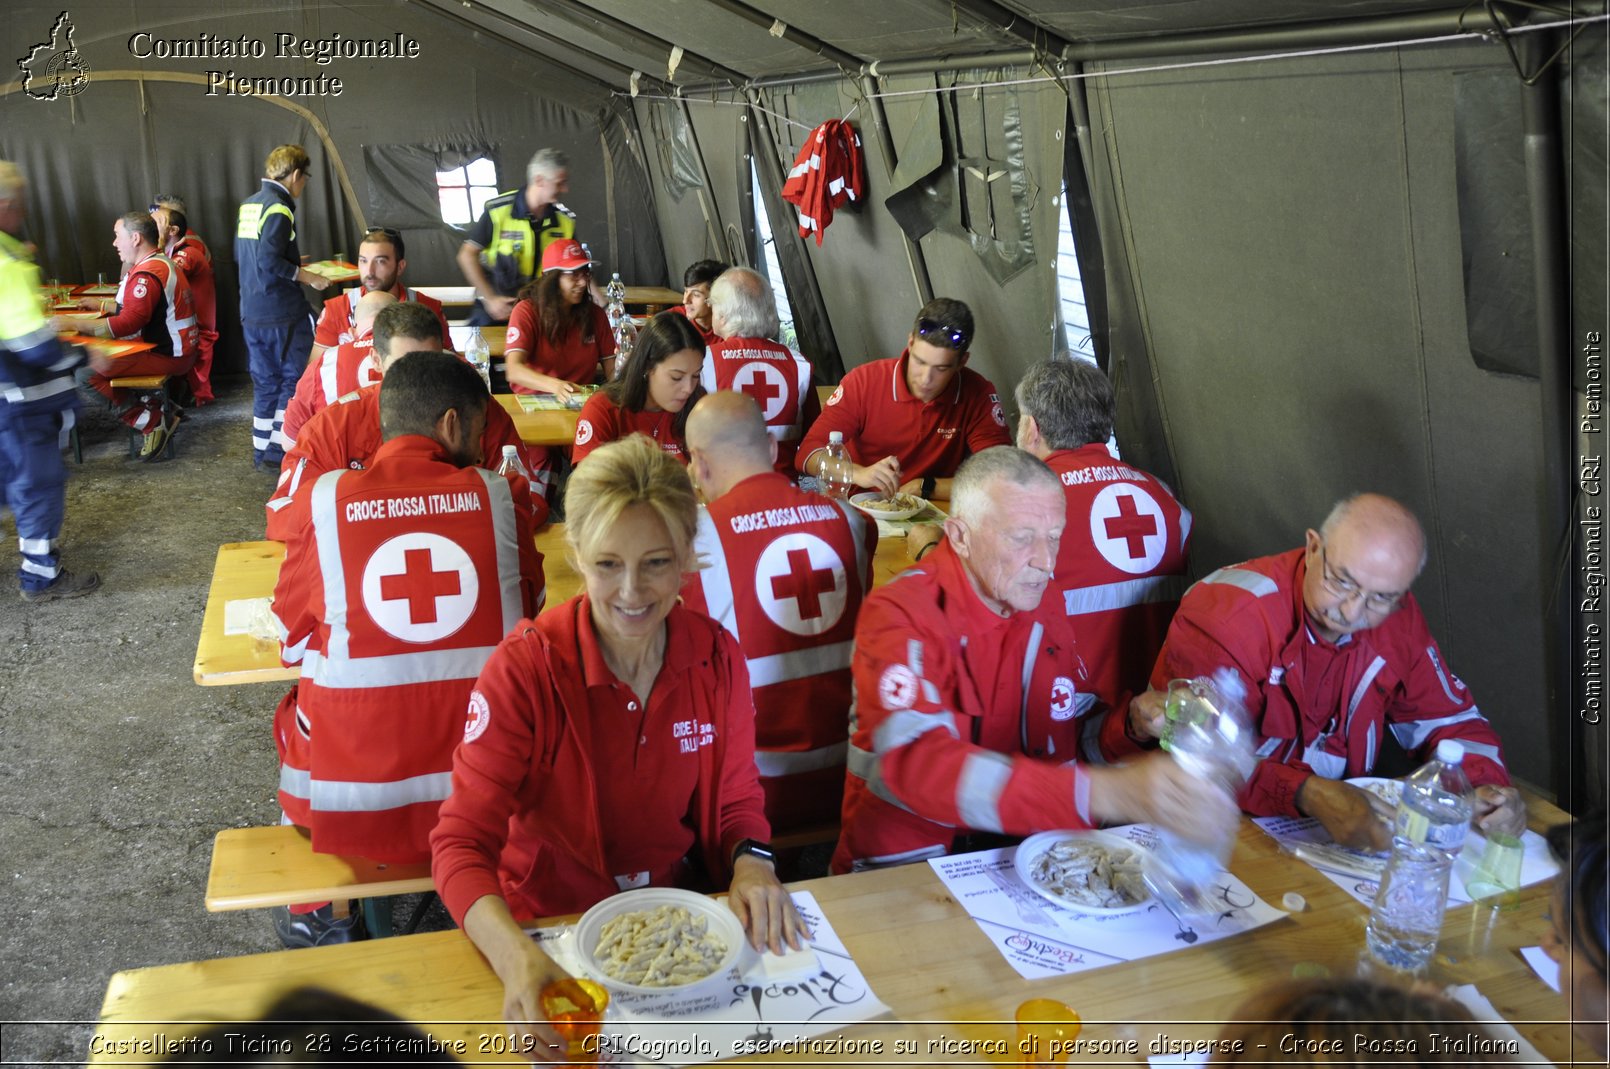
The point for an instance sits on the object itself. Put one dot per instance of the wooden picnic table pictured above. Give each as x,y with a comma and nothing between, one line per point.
923,957
543,426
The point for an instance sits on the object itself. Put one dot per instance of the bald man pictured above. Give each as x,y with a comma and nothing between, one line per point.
785,573
1334,652
338,370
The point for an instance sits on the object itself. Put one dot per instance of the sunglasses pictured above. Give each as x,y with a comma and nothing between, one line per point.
385,231
162,201
948,336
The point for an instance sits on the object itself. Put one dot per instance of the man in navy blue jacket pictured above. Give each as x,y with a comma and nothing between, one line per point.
274,315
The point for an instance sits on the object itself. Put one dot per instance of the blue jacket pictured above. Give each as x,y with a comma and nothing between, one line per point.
36,370
268,259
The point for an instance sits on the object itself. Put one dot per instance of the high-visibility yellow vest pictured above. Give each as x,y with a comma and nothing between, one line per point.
517,245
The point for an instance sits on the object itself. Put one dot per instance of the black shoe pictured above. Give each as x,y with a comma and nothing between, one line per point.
66,585
321,928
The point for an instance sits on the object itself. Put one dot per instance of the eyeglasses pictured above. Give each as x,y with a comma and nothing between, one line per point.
948,336
1347,590
588,271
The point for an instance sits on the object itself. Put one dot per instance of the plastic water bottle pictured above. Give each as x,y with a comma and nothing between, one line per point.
479,355
510,464
1433,819
836,478
616,291
625,342
1208,732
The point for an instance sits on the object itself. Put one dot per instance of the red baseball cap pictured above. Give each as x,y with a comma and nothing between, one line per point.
566,255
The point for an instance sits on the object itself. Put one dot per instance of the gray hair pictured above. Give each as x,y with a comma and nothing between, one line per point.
11,181
970,499
744,301
1070,399
546,163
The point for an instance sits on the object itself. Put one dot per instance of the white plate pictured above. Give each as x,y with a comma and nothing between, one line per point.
722,924
1035,845
860,502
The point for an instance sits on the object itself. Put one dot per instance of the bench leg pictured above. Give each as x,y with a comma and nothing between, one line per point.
377,917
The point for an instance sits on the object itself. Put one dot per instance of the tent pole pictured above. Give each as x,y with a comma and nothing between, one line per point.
1540,116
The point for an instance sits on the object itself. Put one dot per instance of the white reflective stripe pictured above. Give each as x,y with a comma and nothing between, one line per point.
714,578
327,380
1081,795
1252,582
858,521
1484,750
38,336
1358,692
1412,734
1269,747
1107,596
37,546
143,420
18,394
771,763
784,434
427,666
507,539
1436,663
294,478
914,656
799,664
1369,746
905,727
48,571
869,769
923,853
303,724
259,423
1185,526
326,541
1329,765
341,796
983,778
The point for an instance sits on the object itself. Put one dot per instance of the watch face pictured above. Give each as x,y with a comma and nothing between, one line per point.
760,850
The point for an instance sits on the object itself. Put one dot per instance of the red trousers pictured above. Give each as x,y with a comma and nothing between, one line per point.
140,416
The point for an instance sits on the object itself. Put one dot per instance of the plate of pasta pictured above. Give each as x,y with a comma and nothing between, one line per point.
898,507
1092,872
658,941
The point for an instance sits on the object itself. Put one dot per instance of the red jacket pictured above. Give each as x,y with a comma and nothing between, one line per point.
391,599
154,305
785,572
777,377
1322,708
828,171
338,316
347,435
881,417
338,371
964,721
193,257
1119,575
523,819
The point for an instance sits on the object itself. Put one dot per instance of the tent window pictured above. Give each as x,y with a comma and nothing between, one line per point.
1071,290
463,191
769,265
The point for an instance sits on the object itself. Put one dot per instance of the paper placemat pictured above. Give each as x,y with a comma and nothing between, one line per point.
1039,938
754,1012
1493,1023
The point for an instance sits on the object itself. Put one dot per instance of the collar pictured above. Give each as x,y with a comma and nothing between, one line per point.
596,673
416,446
1090,452
902,393
279,186
522,210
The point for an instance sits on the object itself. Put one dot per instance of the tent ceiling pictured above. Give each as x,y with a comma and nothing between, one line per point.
727,40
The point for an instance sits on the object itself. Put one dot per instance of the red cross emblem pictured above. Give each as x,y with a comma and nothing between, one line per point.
1128,528
804,584
766,385
420,587
801,584
1061,698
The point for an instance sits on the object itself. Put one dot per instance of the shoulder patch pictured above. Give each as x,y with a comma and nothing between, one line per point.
477,718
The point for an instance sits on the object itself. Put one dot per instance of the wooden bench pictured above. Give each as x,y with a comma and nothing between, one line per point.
146,385
254,868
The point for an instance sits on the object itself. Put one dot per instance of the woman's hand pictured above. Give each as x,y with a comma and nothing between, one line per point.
525,970
763,906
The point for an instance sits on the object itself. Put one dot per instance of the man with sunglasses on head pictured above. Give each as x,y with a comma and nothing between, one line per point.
381,260
910,421
1333,652
502,251
194,259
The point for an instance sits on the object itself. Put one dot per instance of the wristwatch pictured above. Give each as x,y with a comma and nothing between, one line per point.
761,850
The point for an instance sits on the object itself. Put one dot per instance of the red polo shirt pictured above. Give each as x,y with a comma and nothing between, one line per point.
603,421
573,359
875,409
335,318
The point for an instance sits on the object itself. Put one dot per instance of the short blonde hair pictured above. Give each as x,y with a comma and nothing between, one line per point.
286,159
613,478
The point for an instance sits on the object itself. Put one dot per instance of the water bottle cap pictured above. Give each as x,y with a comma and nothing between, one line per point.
511,452
835,437
1450,751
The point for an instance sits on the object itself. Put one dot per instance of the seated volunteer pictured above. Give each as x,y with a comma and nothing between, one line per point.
411,570
190,253
696,283
347,434
910,421
966,703
338,371
558,339
653,393
1334,653
610,743
153,304
381,262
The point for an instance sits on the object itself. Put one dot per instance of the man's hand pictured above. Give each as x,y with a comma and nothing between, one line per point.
1355,818
920,537
1499,809
884,476
312,278
1146,715
499,308
763,907
1157,790
99,364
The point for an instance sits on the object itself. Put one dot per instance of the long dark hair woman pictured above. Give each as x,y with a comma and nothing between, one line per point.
653,394
558,338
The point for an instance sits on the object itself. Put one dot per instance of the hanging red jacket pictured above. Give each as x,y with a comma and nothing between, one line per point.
785,571
391,599
827,172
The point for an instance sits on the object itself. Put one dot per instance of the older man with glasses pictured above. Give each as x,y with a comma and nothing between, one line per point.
382,256
1333,652
910,421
